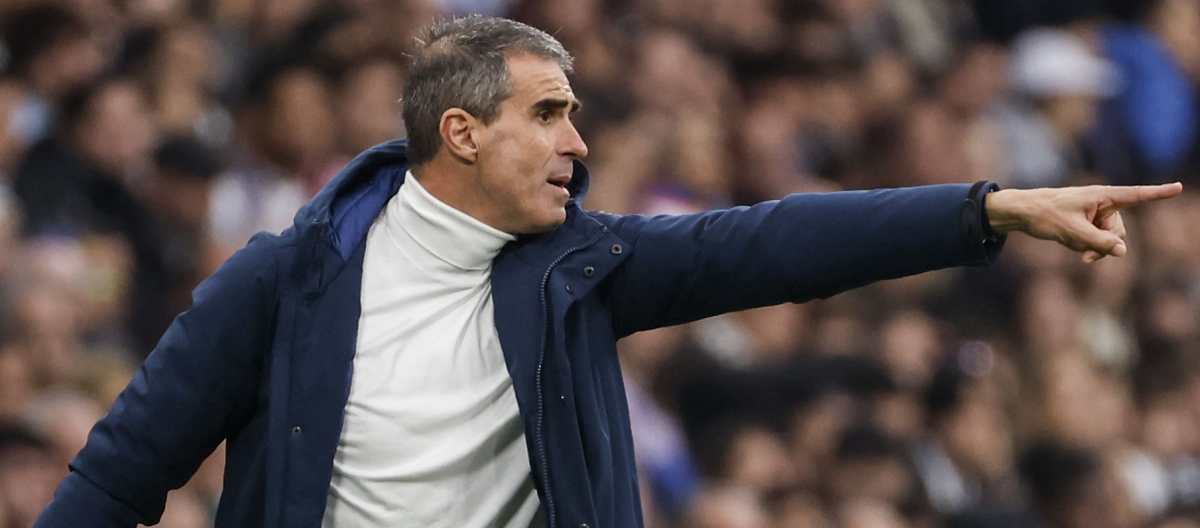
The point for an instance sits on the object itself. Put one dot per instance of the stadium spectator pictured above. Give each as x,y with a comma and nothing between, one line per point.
52,50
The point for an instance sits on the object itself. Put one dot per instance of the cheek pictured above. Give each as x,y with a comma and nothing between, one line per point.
517,160
504,151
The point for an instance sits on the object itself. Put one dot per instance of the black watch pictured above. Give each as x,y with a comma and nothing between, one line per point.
974,215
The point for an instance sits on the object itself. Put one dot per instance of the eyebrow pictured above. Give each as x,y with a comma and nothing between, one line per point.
557,104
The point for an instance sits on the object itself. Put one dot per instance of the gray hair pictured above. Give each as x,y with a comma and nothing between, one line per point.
460,63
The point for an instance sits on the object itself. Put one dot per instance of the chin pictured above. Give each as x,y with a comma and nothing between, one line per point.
548,222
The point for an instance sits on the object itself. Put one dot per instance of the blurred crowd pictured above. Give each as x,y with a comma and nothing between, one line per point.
142,141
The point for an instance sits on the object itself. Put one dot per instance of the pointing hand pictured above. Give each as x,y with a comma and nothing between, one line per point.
1086,219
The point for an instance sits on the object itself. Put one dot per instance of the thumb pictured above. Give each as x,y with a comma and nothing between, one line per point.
1094,239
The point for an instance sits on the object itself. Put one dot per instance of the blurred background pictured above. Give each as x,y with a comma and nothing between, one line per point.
142,141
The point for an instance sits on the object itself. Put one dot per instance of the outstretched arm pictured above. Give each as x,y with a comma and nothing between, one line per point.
805,246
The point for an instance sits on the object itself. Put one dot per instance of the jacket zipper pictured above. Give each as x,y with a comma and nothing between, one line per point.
539,434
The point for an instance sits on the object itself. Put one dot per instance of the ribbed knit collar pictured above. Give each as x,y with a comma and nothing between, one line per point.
449,234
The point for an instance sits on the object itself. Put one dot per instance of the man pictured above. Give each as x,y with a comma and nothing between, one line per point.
51,52
1059,85
433,342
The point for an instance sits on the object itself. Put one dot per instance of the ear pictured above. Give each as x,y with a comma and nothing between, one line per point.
457,128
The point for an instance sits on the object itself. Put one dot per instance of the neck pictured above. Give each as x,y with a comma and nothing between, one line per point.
446,181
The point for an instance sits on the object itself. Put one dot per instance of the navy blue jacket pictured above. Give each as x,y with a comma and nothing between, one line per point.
262,360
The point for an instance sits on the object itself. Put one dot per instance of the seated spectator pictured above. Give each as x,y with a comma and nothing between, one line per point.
965,461
75,182
28,474
1071,488
727,507
1058,83
53,51
1152,120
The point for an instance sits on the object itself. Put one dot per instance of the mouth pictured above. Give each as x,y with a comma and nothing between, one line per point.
560,181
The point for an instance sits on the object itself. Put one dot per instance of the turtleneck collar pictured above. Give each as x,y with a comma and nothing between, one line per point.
449,234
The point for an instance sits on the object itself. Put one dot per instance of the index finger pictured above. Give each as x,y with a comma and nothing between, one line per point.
1136,194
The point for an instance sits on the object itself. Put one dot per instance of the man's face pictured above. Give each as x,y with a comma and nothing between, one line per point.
524,158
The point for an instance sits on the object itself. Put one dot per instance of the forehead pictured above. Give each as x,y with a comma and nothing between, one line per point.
534,78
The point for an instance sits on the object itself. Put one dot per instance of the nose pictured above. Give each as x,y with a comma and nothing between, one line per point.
571,143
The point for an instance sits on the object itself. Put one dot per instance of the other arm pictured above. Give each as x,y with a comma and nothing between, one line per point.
194,389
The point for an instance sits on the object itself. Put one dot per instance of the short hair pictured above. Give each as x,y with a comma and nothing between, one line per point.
1057,472
189,157
17,438
460,63
76,106
31,31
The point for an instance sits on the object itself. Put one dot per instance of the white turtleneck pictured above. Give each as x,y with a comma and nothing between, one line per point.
432,437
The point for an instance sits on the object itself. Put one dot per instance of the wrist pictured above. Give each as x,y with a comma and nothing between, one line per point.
1003,209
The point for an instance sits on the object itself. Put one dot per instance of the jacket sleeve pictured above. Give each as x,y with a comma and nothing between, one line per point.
195,389
805,246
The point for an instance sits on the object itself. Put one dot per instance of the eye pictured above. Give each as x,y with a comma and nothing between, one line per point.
545,116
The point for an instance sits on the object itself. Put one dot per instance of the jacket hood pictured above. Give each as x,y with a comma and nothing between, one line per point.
345,208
